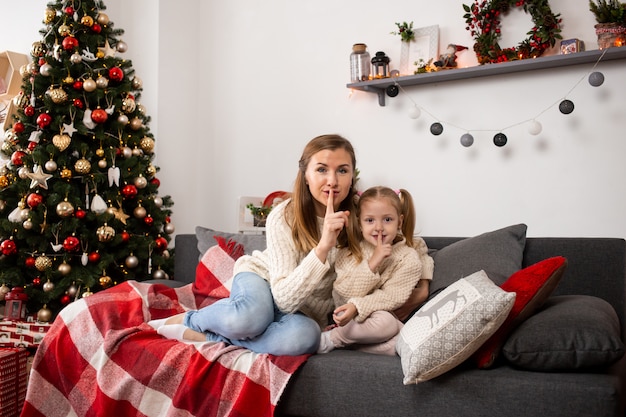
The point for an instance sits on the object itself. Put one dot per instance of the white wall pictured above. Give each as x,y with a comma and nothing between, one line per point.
242,86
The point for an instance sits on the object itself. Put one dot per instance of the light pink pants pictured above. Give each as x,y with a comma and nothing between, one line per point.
377,334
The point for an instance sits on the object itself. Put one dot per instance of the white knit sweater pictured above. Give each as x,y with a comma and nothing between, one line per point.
299,281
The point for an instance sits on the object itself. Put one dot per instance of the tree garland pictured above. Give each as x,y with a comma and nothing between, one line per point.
483,22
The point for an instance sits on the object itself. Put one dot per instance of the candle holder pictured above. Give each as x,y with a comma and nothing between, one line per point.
15,306
380,63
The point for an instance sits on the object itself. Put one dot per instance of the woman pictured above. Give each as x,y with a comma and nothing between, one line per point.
281,297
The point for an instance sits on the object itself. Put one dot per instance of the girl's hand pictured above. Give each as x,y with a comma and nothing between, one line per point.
334,222
381,252
344,314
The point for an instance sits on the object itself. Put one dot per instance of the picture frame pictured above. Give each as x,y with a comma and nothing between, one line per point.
425,46
246,221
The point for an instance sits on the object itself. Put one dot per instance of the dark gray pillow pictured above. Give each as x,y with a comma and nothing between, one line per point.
498,253
569,332
250,242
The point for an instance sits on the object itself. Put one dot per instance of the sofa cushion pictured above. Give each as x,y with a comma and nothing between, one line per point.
250,242
532,286
499,253
451,326
570,332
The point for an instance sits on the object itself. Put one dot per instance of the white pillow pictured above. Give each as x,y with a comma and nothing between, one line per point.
451,327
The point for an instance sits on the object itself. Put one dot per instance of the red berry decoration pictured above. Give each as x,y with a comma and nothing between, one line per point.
99,116
129,191
8,247
69,43
18,127
116,74
94,257
29,111
71,244
30,262
33,200
44,120
17,158
36,281
160,243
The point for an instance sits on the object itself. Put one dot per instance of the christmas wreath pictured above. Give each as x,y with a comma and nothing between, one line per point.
483,22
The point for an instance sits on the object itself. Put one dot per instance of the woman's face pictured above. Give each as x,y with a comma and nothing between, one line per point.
329,171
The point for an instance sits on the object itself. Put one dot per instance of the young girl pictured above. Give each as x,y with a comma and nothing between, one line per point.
281,297
379,275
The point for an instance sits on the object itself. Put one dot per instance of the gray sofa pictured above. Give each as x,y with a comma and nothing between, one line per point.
350,383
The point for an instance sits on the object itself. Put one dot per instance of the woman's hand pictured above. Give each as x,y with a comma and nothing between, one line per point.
417,297
334,222
343,314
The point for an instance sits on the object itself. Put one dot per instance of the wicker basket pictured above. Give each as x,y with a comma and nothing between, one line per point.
610,35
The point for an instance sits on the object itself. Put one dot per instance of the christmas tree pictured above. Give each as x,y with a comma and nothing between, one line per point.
79,203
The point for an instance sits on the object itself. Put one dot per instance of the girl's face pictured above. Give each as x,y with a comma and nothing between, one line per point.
329,171
379,217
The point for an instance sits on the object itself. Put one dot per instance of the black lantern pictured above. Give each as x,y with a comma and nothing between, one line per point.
15,306
380,62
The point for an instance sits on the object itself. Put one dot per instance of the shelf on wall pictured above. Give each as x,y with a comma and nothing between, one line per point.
554,61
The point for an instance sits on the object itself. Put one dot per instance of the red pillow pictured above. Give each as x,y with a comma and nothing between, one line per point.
532,285
214,273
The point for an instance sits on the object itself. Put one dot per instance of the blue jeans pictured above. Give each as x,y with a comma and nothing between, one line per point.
250,318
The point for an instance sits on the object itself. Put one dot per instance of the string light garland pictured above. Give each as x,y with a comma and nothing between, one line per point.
483,22
565,105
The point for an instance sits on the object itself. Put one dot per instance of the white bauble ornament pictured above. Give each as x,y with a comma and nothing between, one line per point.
48,286
534,128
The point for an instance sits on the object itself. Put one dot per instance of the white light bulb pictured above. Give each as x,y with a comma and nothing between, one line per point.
414,112
534,128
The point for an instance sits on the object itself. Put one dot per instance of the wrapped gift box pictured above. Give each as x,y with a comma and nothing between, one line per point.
13,381
24,334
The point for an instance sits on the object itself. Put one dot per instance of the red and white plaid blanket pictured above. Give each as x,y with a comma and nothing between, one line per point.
101,358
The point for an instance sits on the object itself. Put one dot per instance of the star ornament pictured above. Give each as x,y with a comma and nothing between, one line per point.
119,214
107,50
39,178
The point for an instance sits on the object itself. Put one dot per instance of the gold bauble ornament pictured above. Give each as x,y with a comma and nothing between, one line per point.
102,18
4,181
82,166
147,144
57,95
87,293
137,83
66,174
140,212
68,80
151,171
100,152
61,141
136,123
65,268
105,233
89,85
44,314
65,30
20,100
38,49
87,21
128,105
48,286
102,163
65,209
42,263
105,281
49,16
102,82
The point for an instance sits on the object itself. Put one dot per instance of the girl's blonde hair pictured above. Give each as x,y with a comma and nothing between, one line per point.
300,211
401,200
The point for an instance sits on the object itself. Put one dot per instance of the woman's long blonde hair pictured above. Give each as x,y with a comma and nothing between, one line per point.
301,213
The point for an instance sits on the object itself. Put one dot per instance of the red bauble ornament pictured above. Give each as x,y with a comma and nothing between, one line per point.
96,28
71,244
155,181
160,243
29,262
17,158
69,10
69,43
148,220
99,116
18,127
129,191
32,146
116,74
78,103
94,257
41,61
80,214
33,200
78,85
44,120
65,299
29,111
36,281
125,236
8,247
